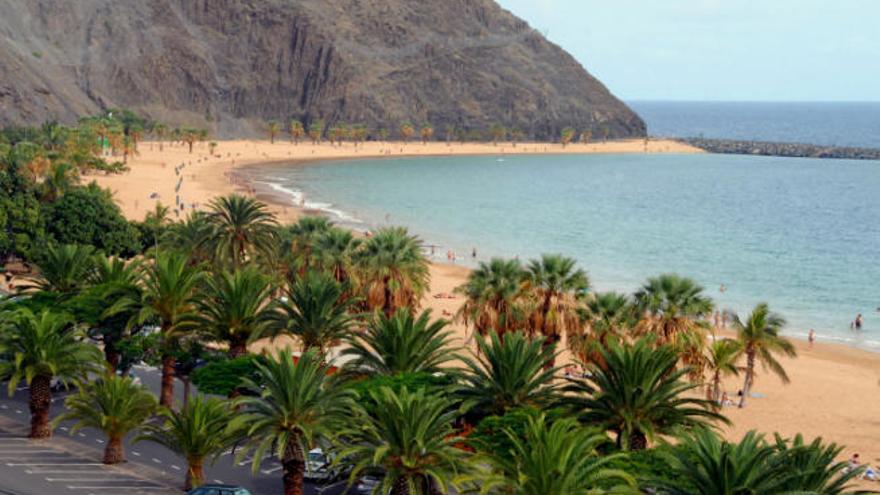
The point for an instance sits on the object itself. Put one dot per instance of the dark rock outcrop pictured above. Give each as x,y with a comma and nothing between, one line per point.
797,150
232,64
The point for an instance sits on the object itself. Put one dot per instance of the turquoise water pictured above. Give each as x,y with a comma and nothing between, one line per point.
803,235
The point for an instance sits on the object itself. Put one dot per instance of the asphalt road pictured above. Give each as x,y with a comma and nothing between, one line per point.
145,460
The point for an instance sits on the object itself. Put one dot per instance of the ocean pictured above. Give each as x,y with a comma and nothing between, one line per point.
800,234
832,124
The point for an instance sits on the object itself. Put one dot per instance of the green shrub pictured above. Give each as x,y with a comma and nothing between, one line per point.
223,377
412,381
88,216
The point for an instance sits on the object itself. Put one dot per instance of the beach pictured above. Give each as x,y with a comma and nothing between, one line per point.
834,391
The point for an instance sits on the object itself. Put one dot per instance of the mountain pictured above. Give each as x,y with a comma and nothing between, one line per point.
232,64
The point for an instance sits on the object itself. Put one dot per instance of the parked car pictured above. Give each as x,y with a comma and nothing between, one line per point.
366,485
320,468
219,490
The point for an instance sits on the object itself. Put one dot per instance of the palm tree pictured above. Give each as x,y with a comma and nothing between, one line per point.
64,269
427,132
299,243
234,308
561,458
493,297
403,343
721,358
273,128
335,252
315,130
586,136
557,285
315,311
607,315
38,349
509,373
392,270
190,236
114,405
704,463
296,131
202,429
161,132
242,228
671,306
112,280
406,131
58,180
409,438
638,395
814,467
760,340
294,404
498,132
516,135
189,136
168,296
567,136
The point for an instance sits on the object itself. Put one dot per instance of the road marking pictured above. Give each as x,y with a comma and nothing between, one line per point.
114,488
272,470
4,406
99,440
64,428
81,434
136,453
218,482
62,471
157,461
18,411
176,468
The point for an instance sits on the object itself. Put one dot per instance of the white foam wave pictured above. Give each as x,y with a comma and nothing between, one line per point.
297,196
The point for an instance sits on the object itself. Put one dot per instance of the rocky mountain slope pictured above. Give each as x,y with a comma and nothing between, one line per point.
232,64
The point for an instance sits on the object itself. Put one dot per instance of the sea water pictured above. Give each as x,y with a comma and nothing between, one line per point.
827,123
800,234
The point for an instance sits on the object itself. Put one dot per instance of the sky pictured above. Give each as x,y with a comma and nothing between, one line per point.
723,50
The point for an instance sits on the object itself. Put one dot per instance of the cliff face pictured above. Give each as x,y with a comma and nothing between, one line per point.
232,64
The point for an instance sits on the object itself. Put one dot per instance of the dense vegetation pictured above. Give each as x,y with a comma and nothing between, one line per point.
373,377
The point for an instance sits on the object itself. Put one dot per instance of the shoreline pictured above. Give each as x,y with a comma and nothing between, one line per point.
835,389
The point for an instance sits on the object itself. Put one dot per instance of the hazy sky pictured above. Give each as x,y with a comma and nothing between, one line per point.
823,50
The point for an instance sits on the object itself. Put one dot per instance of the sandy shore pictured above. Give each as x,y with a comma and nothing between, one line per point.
835,390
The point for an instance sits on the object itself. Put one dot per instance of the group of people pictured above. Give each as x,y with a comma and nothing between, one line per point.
870,473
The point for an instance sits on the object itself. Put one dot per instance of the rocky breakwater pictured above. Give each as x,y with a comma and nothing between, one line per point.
799,150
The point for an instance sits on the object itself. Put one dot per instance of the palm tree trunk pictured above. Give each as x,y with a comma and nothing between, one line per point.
637,440
166,395
294,466
400,487
111,355
750,373
549,340
389,298
39,402
114,452
716,386
237,349
187,386
195,473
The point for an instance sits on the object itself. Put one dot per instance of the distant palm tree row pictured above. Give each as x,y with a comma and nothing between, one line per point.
384,386
358,133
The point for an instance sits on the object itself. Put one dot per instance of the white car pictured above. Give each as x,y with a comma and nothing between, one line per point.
319,467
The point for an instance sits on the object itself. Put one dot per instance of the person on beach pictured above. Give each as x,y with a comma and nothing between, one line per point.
722,289
858,322
811,338
474,253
